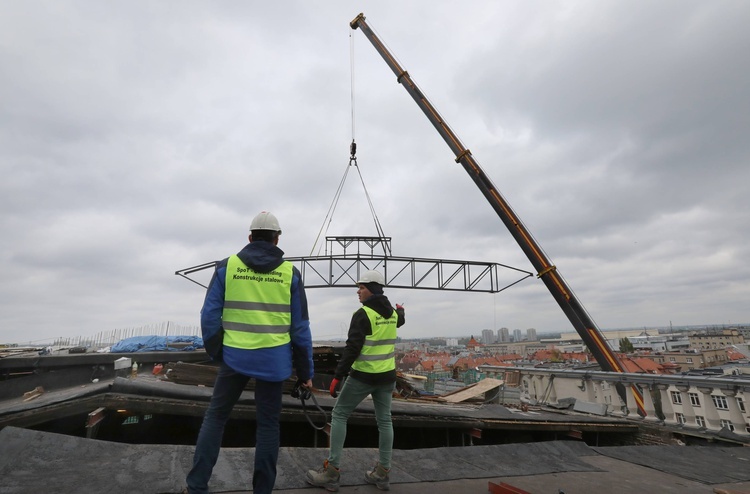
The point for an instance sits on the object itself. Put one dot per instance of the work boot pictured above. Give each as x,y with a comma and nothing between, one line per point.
378,476
327,477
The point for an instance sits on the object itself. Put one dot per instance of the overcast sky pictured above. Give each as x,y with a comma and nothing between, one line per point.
139,138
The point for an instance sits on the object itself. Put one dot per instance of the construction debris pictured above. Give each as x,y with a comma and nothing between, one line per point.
33,394
480,389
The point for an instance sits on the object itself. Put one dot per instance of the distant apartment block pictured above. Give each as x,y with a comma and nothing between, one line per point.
572,342
661,342
716,338
503,335
488,336
510,348
691,359
531,334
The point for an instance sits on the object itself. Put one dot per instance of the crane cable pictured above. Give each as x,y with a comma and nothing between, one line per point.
352,161
329,215
353,147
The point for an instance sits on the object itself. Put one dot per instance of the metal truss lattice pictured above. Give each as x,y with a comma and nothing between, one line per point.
342,269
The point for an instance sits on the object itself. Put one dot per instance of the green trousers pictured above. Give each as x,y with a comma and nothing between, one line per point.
351,395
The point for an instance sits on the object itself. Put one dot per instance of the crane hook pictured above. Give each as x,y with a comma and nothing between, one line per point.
353,152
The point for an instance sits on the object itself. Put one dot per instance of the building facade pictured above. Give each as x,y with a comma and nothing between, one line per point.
661,343
716,338
691,359
693,404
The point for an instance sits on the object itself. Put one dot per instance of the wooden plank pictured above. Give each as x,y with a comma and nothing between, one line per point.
33,394
472,391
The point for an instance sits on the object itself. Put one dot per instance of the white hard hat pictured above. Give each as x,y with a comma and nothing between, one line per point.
265,221
371,276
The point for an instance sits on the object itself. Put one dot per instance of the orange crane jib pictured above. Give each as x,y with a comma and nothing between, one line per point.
564,296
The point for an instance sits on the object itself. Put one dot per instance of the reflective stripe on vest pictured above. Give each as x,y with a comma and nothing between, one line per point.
379,351
257,306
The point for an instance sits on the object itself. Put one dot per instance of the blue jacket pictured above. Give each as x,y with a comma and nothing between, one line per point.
267,364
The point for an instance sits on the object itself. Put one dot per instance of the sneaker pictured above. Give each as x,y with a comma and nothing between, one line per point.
327,477
378,476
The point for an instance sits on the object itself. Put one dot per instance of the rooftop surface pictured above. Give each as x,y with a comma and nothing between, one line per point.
34,461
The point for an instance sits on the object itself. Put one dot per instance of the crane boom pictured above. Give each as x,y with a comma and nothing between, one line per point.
546,271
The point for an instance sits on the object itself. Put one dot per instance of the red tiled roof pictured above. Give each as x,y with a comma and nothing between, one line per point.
427,365
641,365
547,355
733,354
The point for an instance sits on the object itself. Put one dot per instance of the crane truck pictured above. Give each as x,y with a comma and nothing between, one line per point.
546,271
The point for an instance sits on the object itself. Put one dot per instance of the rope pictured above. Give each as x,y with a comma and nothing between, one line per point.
307,416
305,394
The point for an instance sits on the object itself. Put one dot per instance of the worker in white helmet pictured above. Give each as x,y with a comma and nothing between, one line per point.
255,322
369,359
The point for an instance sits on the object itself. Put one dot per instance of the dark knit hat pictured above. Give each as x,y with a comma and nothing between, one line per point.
375,288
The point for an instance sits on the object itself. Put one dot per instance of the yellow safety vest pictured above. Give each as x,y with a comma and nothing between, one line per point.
379,351
257,306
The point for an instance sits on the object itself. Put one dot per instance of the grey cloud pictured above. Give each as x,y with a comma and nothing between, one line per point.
140,138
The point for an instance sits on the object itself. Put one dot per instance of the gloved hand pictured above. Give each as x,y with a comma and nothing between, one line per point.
334,387
302,389
399,306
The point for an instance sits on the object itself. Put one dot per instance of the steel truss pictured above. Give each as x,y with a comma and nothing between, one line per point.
360,254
